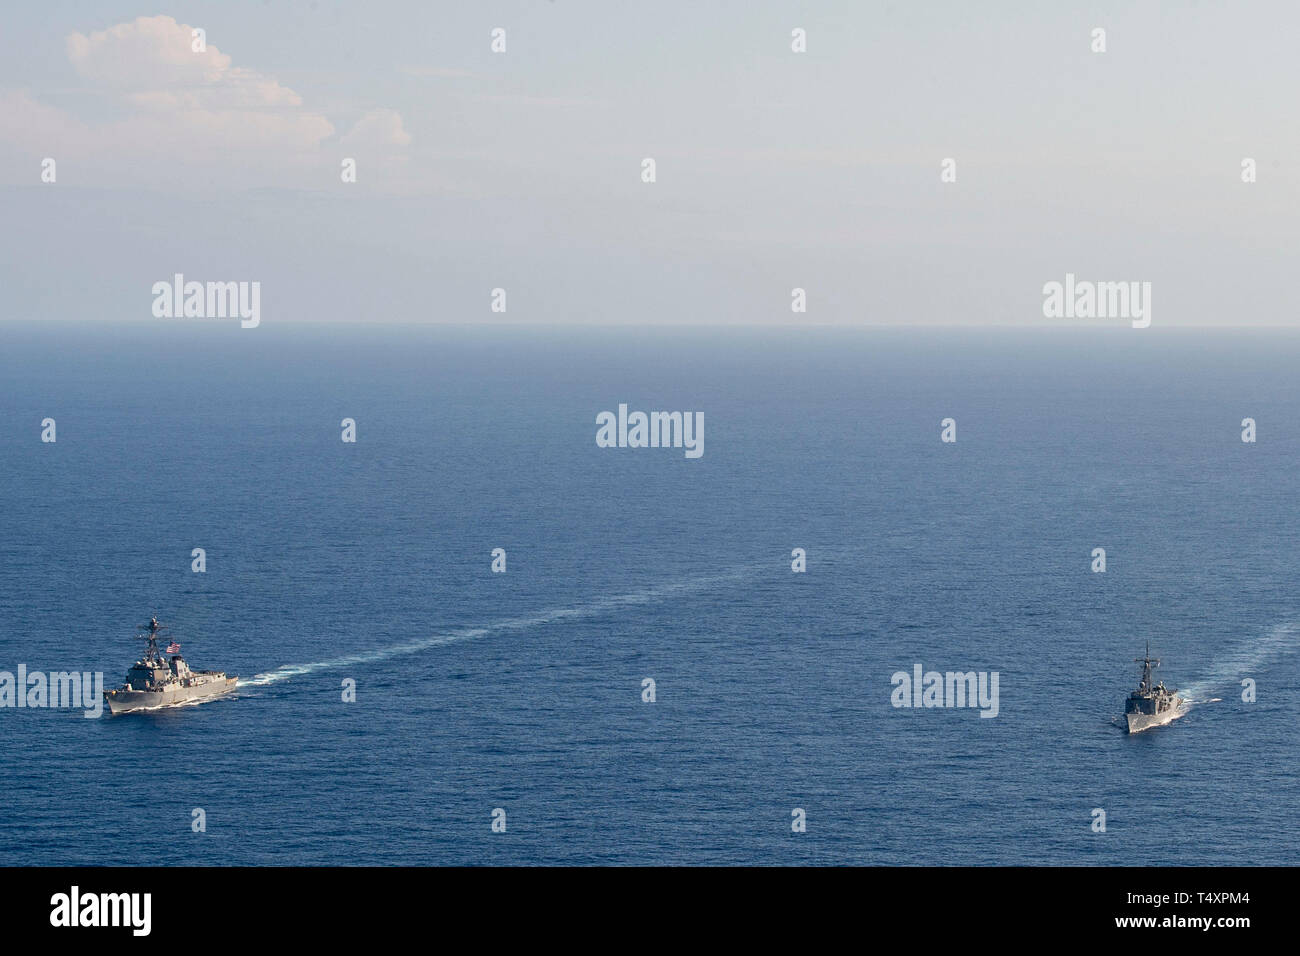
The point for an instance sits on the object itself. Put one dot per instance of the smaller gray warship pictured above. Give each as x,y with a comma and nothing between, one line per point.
1151,706
155,681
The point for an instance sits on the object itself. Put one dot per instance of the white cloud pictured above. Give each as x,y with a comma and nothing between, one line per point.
151,64
377,128
144,53
176,109
25,119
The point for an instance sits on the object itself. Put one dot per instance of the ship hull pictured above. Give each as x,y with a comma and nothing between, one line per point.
1140,722
124,700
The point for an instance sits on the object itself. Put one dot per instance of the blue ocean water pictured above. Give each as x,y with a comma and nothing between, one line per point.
522,690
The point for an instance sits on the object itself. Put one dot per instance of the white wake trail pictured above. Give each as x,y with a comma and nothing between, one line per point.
595,609
1246,659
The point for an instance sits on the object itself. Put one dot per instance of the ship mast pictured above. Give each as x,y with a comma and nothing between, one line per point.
150,633
1146,662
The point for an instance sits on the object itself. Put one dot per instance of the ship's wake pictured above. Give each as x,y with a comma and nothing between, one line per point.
1244,661
607,605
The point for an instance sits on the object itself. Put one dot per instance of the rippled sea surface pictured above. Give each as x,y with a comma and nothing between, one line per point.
522,691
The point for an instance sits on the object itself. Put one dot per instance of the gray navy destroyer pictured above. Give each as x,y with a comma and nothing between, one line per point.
156,681
1151,706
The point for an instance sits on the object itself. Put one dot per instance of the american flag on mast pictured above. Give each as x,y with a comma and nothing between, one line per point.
173,648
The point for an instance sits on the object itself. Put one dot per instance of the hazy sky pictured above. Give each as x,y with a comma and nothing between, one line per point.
775,169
